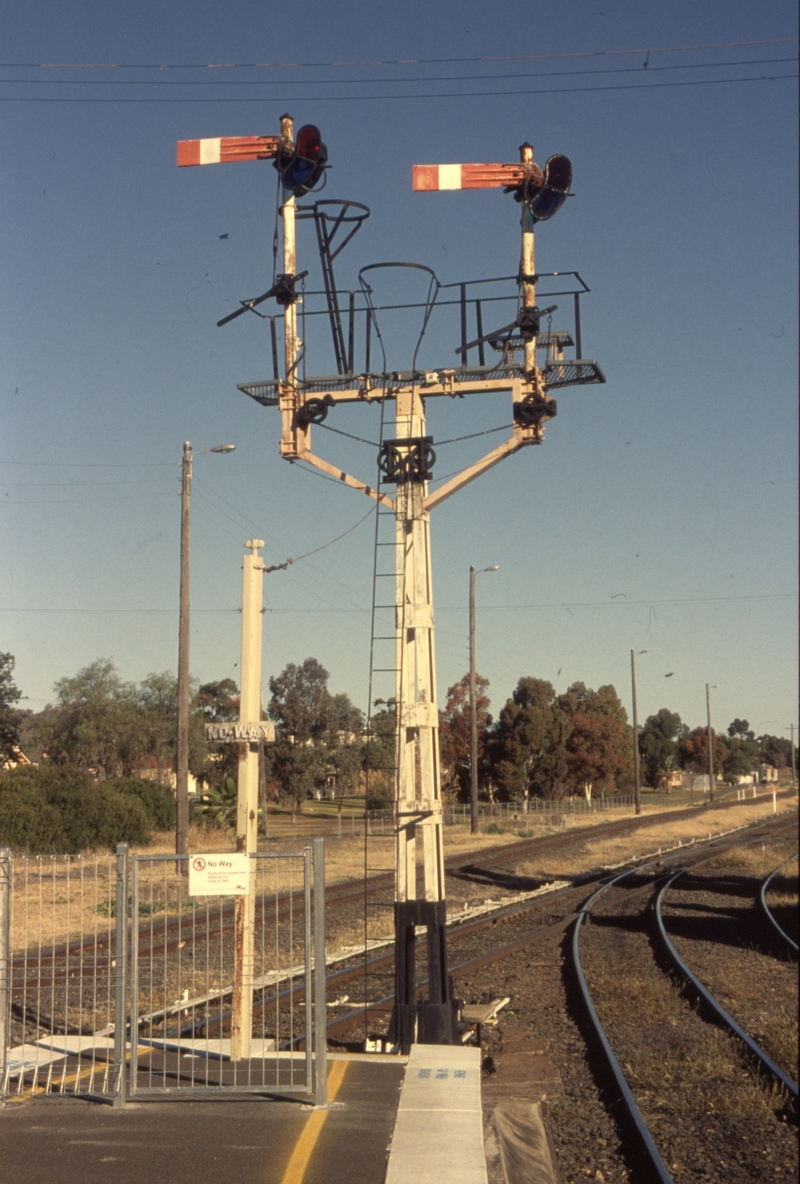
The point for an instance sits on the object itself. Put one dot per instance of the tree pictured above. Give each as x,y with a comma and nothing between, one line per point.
10,718
97,725
378,755
455,736
743,751
300,701
318,735
527,749
775,750
218,702
694,751
100,722
661,736
598,750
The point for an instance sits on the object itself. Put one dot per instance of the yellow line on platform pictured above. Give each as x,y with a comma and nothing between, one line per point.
296,1167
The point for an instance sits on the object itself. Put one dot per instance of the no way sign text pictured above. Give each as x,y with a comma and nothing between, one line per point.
219,875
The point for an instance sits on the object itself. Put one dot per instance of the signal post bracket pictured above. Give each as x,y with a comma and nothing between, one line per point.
295,442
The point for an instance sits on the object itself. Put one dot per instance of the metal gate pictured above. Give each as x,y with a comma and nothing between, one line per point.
184,973
115,982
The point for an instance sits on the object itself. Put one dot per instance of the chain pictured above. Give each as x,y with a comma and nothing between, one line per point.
504,427
339,432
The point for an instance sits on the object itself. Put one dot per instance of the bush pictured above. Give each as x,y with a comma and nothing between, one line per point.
494,829
157,799
61,811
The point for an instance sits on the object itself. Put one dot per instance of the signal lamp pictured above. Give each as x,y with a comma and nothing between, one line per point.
306,164
553,194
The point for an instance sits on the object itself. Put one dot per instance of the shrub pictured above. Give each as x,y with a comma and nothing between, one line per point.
60,810
157,799
494,829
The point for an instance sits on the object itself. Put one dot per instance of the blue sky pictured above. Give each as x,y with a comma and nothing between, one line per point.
661,512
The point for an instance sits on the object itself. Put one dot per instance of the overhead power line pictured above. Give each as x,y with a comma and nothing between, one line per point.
444,608
604,70
471,94
534,57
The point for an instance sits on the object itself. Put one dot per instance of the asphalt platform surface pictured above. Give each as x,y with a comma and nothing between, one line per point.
50,1140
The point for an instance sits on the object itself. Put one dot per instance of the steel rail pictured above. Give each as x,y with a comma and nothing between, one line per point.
469,861
728,1020
456,931
634,1112
496,954
768,910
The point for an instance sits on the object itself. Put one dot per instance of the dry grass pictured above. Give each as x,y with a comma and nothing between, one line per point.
58,899
607,852
671,1067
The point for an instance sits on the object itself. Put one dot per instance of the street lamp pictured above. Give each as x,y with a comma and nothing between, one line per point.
710,743
182,743
637,791
473,705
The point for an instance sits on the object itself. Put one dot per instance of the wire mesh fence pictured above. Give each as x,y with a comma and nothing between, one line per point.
183,975
115,980
59,993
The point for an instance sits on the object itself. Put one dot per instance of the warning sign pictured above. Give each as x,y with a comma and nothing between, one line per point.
219,875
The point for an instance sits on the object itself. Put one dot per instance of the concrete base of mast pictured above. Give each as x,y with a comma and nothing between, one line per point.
422,1021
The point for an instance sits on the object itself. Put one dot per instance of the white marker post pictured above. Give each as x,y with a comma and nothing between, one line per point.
247,804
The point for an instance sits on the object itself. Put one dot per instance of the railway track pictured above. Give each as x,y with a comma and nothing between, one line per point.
90,957
594,1130
769,912
668,1063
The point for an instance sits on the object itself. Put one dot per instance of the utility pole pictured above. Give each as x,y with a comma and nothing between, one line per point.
710,747
473,703
182,739
247,801
637,792
794,766
182,747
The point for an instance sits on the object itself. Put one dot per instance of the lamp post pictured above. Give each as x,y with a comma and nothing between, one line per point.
710,743
637,791
182,742
473,704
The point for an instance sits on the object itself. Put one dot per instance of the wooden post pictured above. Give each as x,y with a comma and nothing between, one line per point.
247,802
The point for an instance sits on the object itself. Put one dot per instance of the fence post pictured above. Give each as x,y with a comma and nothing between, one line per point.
5,962
320,985
121,976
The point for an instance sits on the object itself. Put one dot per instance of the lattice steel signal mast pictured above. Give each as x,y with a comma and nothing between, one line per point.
406,463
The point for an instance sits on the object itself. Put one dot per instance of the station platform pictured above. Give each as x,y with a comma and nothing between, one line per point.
51,1138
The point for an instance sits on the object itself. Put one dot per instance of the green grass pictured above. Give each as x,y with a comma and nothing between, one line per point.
350,805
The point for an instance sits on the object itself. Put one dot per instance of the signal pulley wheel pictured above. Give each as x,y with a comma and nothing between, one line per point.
313,411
